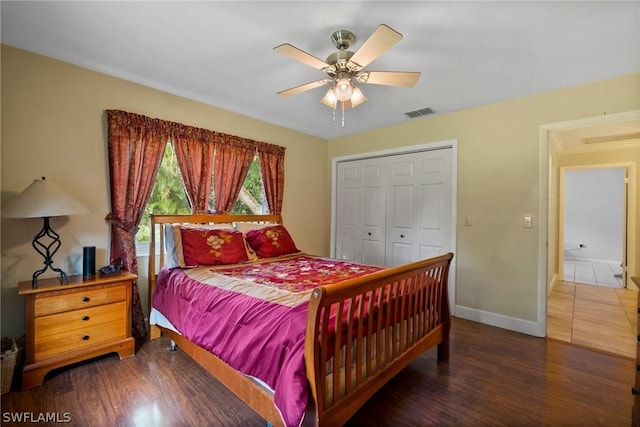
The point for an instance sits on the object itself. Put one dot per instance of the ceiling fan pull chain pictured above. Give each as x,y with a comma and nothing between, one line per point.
333,115
342,102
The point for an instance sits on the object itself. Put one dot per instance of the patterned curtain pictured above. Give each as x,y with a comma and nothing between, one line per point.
136,145
195,157
230,168
272,169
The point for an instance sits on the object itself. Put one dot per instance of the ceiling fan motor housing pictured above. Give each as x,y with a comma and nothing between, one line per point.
342,39
339,60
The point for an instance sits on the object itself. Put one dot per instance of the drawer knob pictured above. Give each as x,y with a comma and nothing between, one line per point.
85,318
635,391
85,337
86,299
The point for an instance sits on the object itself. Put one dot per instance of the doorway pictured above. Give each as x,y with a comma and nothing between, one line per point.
575,312
593,240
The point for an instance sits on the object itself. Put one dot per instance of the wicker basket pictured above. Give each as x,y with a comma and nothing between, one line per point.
8,361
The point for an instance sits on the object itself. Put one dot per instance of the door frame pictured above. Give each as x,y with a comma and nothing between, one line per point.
545,236
451,144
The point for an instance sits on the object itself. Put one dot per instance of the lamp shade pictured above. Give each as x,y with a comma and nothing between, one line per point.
43,199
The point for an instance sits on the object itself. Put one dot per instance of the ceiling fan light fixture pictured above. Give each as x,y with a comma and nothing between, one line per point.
344,89
357,97
330,99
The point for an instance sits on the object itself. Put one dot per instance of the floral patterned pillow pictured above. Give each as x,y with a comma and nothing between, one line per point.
201,246
271,241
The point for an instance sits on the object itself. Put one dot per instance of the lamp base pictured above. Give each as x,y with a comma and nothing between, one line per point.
47,251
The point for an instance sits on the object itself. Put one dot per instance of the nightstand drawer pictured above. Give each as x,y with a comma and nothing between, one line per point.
71,340
57,302
78,319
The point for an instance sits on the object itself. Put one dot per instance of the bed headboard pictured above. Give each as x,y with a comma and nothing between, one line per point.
159,222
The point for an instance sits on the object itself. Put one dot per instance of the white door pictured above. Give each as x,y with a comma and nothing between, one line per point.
418,222
360,208
396,209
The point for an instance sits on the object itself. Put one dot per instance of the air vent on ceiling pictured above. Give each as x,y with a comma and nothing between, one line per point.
419,113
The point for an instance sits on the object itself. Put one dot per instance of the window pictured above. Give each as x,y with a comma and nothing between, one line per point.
169,197
251,199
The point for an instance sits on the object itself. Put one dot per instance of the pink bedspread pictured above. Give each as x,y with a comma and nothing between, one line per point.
253,316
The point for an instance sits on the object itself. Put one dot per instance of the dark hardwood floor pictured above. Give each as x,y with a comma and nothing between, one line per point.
494,378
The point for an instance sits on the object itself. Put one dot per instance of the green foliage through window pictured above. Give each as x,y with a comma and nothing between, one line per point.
169,197
251,199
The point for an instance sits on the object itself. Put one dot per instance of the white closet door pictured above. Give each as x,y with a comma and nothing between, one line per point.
360,211
418,224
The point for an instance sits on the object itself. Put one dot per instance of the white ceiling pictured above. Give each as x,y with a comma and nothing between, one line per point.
469,53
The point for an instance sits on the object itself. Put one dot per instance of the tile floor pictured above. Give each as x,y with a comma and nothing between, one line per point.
597,273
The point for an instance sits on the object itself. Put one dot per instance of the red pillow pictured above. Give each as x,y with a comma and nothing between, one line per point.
270,241
212,246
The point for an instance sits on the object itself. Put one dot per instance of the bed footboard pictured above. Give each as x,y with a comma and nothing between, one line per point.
361,332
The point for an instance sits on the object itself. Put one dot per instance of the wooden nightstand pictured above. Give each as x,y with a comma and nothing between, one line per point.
79,320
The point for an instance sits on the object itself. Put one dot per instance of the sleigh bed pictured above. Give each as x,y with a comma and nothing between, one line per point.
300,339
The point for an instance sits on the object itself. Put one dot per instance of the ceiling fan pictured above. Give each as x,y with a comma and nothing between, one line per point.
345,67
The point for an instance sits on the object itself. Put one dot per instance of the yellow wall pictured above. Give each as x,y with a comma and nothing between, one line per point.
54,125
499,175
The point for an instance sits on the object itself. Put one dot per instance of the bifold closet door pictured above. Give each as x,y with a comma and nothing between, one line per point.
360,211
395,209
419,191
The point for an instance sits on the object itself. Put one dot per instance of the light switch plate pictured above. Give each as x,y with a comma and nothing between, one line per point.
528,221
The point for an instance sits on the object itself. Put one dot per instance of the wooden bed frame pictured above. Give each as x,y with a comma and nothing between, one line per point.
390,318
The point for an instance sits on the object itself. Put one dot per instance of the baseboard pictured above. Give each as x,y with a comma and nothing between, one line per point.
505,322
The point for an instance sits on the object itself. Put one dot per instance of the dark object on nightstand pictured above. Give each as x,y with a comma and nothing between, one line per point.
111,268
88,261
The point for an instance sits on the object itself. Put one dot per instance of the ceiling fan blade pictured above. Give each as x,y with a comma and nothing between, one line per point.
381,40
293,52
305,87
389,78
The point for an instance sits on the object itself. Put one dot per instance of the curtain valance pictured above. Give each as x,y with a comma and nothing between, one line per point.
174,130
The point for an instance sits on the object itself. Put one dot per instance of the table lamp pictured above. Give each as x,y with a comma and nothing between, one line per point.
43,199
